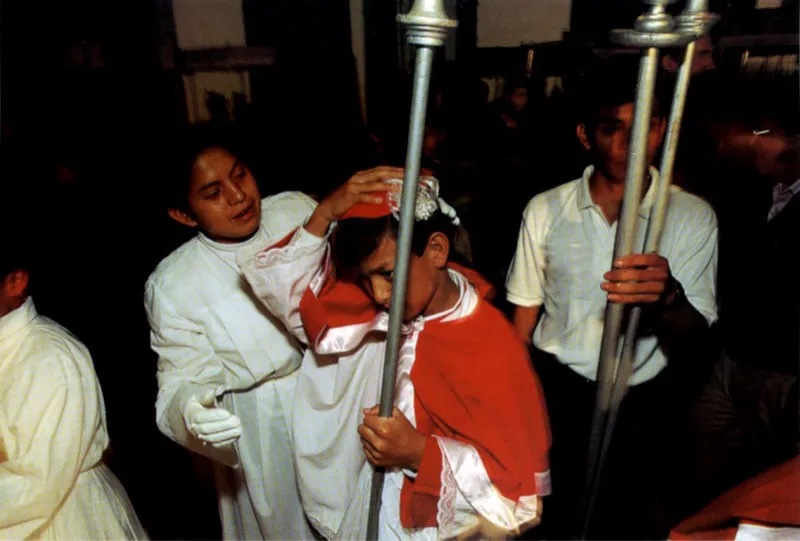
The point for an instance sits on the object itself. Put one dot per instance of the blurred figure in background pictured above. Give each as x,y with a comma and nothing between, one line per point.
746,419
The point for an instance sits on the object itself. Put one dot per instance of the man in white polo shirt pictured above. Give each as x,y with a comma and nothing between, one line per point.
560,281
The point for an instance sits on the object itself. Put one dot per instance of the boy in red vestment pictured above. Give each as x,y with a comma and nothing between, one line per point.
466,447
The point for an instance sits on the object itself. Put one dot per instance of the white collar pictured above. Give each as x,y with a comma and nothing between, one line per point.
466,303
585,196
229,246
17,319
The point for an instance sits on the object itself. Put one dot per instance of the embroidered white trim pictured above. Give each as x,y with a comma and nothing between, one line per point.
476,498
446,509
543,484
340,340
318,280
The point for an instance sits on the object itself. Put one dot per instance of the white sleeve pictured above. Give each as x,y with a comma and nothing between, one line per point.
525,282
187,365
695,264
470,506
280,276
54,417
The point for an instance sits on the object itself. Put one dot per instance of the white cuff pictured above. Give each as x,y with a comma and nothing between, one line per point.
525,302
303,238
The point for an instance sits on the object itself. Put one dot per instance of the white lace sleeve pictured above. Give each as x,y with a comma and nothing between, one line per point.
280,276
470,504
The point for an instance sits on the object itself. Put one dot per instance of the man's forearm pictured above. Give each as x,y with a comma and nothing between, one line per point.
525,319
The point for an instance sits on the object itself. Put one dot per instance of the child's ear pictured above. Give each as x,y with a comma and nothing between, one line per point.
583,136
182,217
438,250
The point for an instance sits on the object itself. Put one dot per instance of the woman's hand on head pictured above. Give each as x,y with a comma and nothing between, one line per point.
360,188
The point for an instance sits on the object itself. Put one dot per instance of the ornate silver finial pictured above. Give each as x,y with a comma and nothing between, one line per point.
656,28
427,23
695,19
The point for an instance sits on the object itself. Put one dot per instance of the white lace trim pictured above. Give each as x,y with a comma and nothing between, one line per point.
470,503
446,508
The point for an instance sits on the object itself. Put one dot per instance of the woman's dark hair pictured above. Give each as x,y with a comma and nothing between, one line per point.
355,239
182,152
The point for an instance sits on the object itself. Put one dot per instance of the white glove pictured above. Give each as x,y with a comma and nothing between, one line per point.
210,424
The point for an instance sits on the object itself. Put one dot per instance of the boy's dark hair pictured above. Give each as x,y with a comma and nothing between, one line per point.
182,152
355,239
610,83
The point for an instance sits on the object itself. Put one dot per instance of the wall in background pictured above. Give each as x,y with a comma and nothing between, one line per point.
507,23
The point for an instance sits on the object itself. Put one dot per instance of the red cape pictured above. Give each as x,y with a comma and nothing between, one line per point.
771,498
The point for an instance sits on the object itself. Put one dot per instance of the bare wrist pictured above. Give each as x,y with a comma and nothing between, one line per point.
318,223
673,296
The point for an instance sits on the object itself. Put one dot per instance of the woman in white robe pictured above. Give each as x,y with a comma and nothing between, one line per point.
53,483
219,347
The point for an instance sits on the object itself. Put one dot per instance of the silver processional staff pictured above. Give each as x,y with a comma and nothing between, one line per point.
426,28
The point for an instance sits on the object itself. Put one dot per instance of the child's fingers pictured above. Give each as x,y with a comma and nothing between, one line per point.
372,411
368,434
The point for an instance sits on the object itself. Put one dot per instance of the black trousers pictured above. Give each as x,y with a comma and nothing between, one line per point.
745,421
629,501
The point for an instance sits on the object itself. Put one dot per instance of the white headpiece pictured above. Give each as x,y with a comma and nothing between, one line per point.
428,201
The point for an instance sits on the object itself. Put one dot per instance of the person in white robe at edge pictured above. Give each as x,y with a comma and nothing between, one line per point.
226,367
53,482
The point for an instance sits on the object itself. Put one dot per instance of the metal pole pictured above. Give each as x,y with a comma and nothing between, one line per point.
655,226
626,233
692,23
427,27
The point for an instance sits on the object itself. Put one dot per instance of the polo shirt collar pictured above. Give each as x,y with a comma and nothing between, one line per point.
584,196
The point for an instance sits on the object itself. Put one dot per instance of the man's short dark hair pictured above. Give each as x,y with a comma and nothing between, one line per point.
610,83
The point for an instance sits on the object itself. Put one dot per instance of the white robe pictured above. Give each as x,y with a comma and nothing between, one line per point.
211,333
53,483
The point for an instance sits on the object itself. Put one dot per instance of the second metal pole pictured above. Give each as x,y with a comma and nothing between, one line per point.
655,226
626,233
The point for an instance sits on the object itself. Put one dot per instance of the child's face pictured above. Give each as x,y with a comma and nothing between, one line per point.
424,276
608,140
224,197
